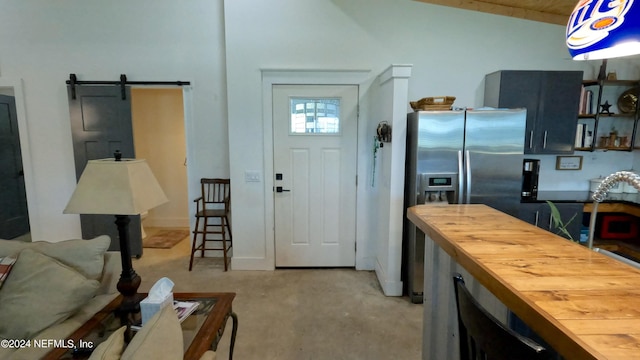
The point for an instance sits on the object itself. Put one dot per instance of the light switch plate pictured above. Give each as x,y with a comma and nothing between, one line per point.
251,176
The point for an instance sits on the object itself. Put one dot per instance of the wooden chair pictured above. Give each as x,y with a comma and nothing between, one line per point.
214,203
482,336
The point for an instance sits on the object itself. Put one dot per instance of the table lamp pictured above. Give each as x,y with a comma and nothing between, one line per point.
119,187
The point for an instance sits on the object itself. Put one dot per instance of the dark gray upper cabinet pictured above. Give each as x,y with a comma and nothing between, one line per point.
552,100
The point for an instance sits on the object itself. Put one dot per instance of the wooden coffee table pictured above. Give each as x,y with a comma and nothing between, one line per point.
201,331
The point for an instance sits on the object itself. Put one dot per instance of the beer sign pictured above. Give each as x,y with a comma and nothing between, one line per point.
599,29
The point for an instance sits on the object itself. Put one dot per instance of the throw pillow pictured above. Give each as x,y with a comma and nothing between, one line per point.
159,338
39,293
6,263
86,256
110,349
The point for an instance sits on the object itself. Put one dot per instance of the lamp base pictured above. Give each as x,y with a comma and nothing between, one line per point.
129,310
130,305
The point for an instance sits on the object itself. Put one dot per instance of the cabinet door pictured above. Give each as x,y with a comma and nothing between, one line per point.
539,214
551,99
534,214
558,111
568,211
514,89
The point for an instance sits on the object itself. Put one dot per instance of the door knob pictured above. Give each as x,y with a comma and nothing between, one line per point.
280,189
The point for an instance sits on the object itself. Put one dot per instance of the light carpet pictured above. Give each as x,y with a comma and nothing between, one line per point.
295,314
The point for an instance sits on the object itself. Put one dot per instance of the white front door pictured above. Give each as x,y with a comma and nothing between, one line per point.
315,159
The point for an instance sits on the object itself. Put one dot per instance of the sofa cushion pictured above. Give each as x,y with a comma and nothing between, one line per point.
86,256
159,338
110,349
40,292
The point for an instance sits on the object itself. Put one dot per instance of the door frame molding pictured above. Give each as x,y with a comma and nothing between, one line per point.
16,86
271,77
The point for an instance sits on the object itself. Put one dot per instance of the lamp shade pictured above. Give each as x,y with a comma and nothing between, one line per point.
124,187
603,29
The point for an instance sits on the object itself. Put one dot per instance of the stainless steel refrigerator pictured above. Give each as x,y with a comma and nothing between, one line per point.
459,157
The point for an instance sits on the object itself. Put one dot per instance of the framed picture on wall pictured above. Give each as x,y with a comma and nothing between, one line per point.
573,162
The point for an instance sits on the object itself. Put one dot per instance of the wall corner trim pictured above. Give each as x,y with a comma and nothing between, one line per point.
394,71
390,288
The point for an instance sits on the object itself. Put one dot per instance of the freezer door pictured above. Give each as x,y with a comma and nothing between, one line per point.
434,145
494,150
440,137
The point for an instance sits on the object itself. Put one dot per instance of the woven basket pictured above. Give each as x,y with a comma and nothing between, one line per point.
433,103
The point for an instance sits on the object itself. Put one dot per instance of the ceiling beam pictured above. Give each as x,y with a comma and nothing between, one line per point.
497,9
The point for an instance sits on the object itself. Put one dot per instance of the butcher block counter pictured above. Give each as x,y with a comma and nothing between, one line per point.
584,304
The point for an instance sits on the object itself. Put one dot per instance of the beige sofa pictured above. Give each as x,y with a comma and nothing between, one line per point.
54,288
56,285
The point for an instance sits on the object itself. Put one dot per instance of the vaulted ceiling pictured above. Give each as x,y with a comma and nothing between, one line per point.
549,11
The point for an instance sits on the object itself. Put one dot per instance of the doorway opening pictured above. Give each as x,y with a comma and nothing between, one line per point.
141,122
158,124
14,213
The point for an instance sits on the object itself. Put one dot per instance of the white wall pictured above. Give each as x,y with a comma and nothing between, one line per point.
42,42
451,50
594,164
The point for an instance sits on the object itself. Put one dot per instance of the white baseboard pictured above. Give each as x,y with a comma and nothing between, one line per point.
390,288
365,263
251,264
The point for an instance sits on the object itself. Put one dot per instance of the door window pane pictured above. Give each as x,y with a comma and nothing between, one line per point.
315,116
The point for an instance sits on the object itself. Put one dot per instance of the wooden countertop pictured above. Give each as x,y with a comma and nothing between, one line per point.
584,304
631,209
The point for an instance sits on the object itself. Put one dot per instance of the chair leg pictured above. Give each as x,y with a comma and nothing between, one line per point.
204,235
224,222
226,249
228,227
224,242
193,244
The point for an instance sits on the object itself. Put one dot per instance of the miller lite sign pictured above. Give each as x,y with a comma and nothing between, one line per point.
596,25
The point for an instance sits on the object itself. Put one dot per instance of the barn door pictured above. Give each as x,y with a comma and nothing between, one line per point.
100,125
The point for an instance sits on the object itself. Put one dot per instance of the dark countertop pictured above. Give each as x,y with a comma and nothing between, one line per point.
584,197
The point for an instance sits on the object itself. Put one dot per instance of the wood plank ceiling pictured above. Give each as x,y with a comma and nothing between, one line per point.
549,11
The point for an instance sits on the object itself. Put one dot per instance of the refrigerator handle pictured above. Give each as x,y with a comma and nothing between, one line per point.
467,162
544,141
460,178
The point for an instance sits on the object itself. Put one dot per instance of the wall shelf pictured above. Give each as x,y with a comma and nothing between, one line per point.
603,92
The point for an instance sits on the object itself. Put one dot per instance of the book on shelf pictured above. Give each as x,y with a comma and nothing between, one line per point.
579,135
586,101
584,136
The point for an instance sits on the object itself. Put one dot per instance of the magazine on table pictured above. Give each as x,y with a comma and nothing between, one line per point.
183,310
